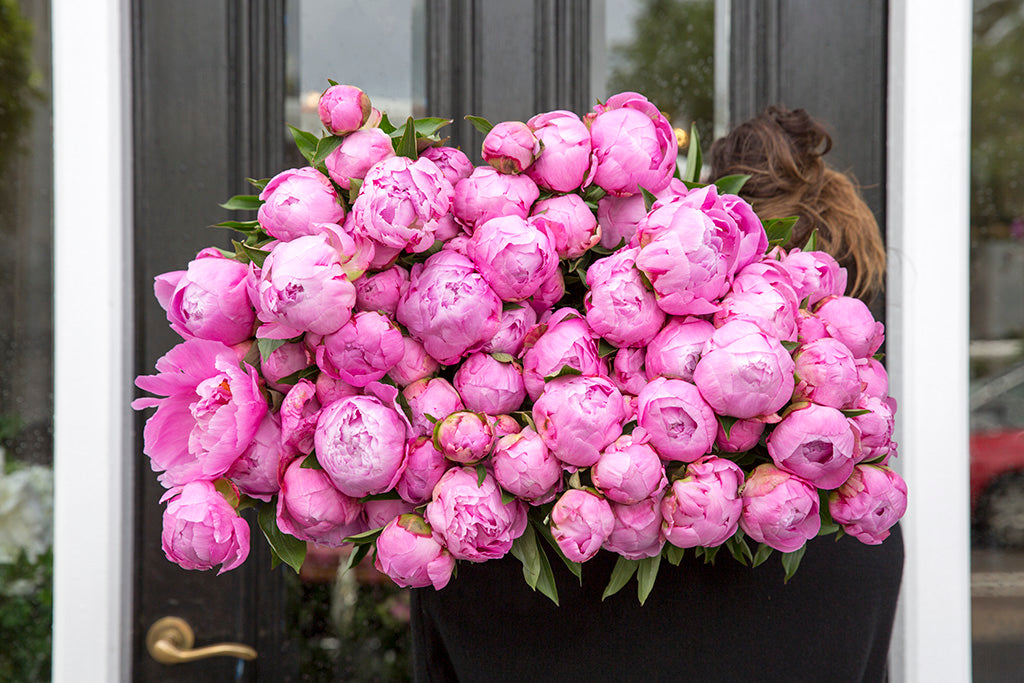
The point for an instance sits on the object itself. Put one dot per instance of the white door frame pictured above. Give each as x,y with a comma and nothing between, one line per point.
929,105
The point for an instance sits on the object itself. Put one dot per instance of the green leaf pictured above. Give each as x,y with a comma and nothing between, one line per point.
790,346
693,186
386,125
764,551
503,357
258,182
257,256
854,412
737,546
779,230
812,242
674,554
649,199
305,373
332,81
285,548
428,126
621,574
306,142
694,158
594,193
241,226
268,346
354,186
507,497
227,490
565,371
710,554
791,561
575,567
387,495
481,124
646,574
311,463
357,555
481,474
727,422
242,202
605,348
731,184
324,147
406,145
363,538
526,551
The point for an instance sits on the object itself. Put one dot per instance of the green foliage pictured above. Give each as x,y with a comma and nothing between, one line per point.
997,138
671,61
26,618
18,79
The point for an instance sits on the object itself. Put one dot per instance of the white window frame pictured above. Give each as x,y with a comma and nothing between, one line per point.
93,341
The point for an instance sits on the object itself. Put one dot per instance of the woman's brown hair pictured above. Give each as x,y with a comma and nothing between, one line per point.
781,151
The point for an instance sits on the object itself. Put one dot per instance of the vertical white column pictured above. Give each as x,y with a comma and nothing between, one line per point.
928,207
92,345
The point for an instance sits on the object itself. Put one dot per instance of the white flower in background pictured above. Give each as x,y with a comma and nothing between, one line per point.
26,512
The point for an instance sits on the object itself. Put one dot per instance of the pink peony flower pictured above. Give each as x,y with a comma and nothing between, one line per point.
379,513
381,291
356,154
208,414
633,143
525,467
815,275
637,531
628,370
299,413
210,300
254,472
329,390
755,299
513,256
490,386
200,529
401,203
470,519
744,372
487,194
452,162
619,217
430,401
296,202
779,509
826,374
360,443
876,426
415,364
703,509
408,553
464,437
565,160
580,523
343,109
362,350
869,503
873,377
628,471
816,442
675,350
569,221
510,147
743,435
449,307
515,322
310,508
675,419
619,307
423,469
850,321
549,293
565,341
578,416
302,288
283,361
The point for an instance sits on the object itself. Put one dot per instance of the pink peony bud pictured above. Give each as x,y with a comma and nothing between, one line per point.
619,217
415,364
430,401
510,147
408,553
619,307
743,435
362,350
569,221
464,437
779,509
675,350
296,201
423,469
850,321
816,442
379,513
513,256
549,293
283,361
210,300
360,443
675,420
578,416
637,532
628,371
515,322
490,386
565,160
452,162
815,275
744,372
580,523
869,503
566,341
628,471
525,467
329,390
310,508
299,413
470,519
356,154
504,425
703,509
754,299
255,470
201,529
381,291
826,374
401,203
876,426
487,194
634,145
873,377
343,109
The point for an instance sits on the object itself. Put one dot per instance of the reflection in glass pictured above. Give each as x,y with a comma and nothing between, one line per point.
997,341
350,625
26,334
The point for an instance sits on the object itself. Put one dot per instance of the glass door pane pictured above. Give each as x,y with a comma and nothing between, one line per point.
26,350
997,341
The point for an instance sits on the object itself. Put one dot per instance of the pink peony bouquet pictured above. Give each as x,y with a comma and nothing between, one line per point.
576,346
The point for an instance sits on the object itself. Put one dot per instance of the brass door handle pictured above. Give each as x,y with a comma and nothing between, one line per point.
170,641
